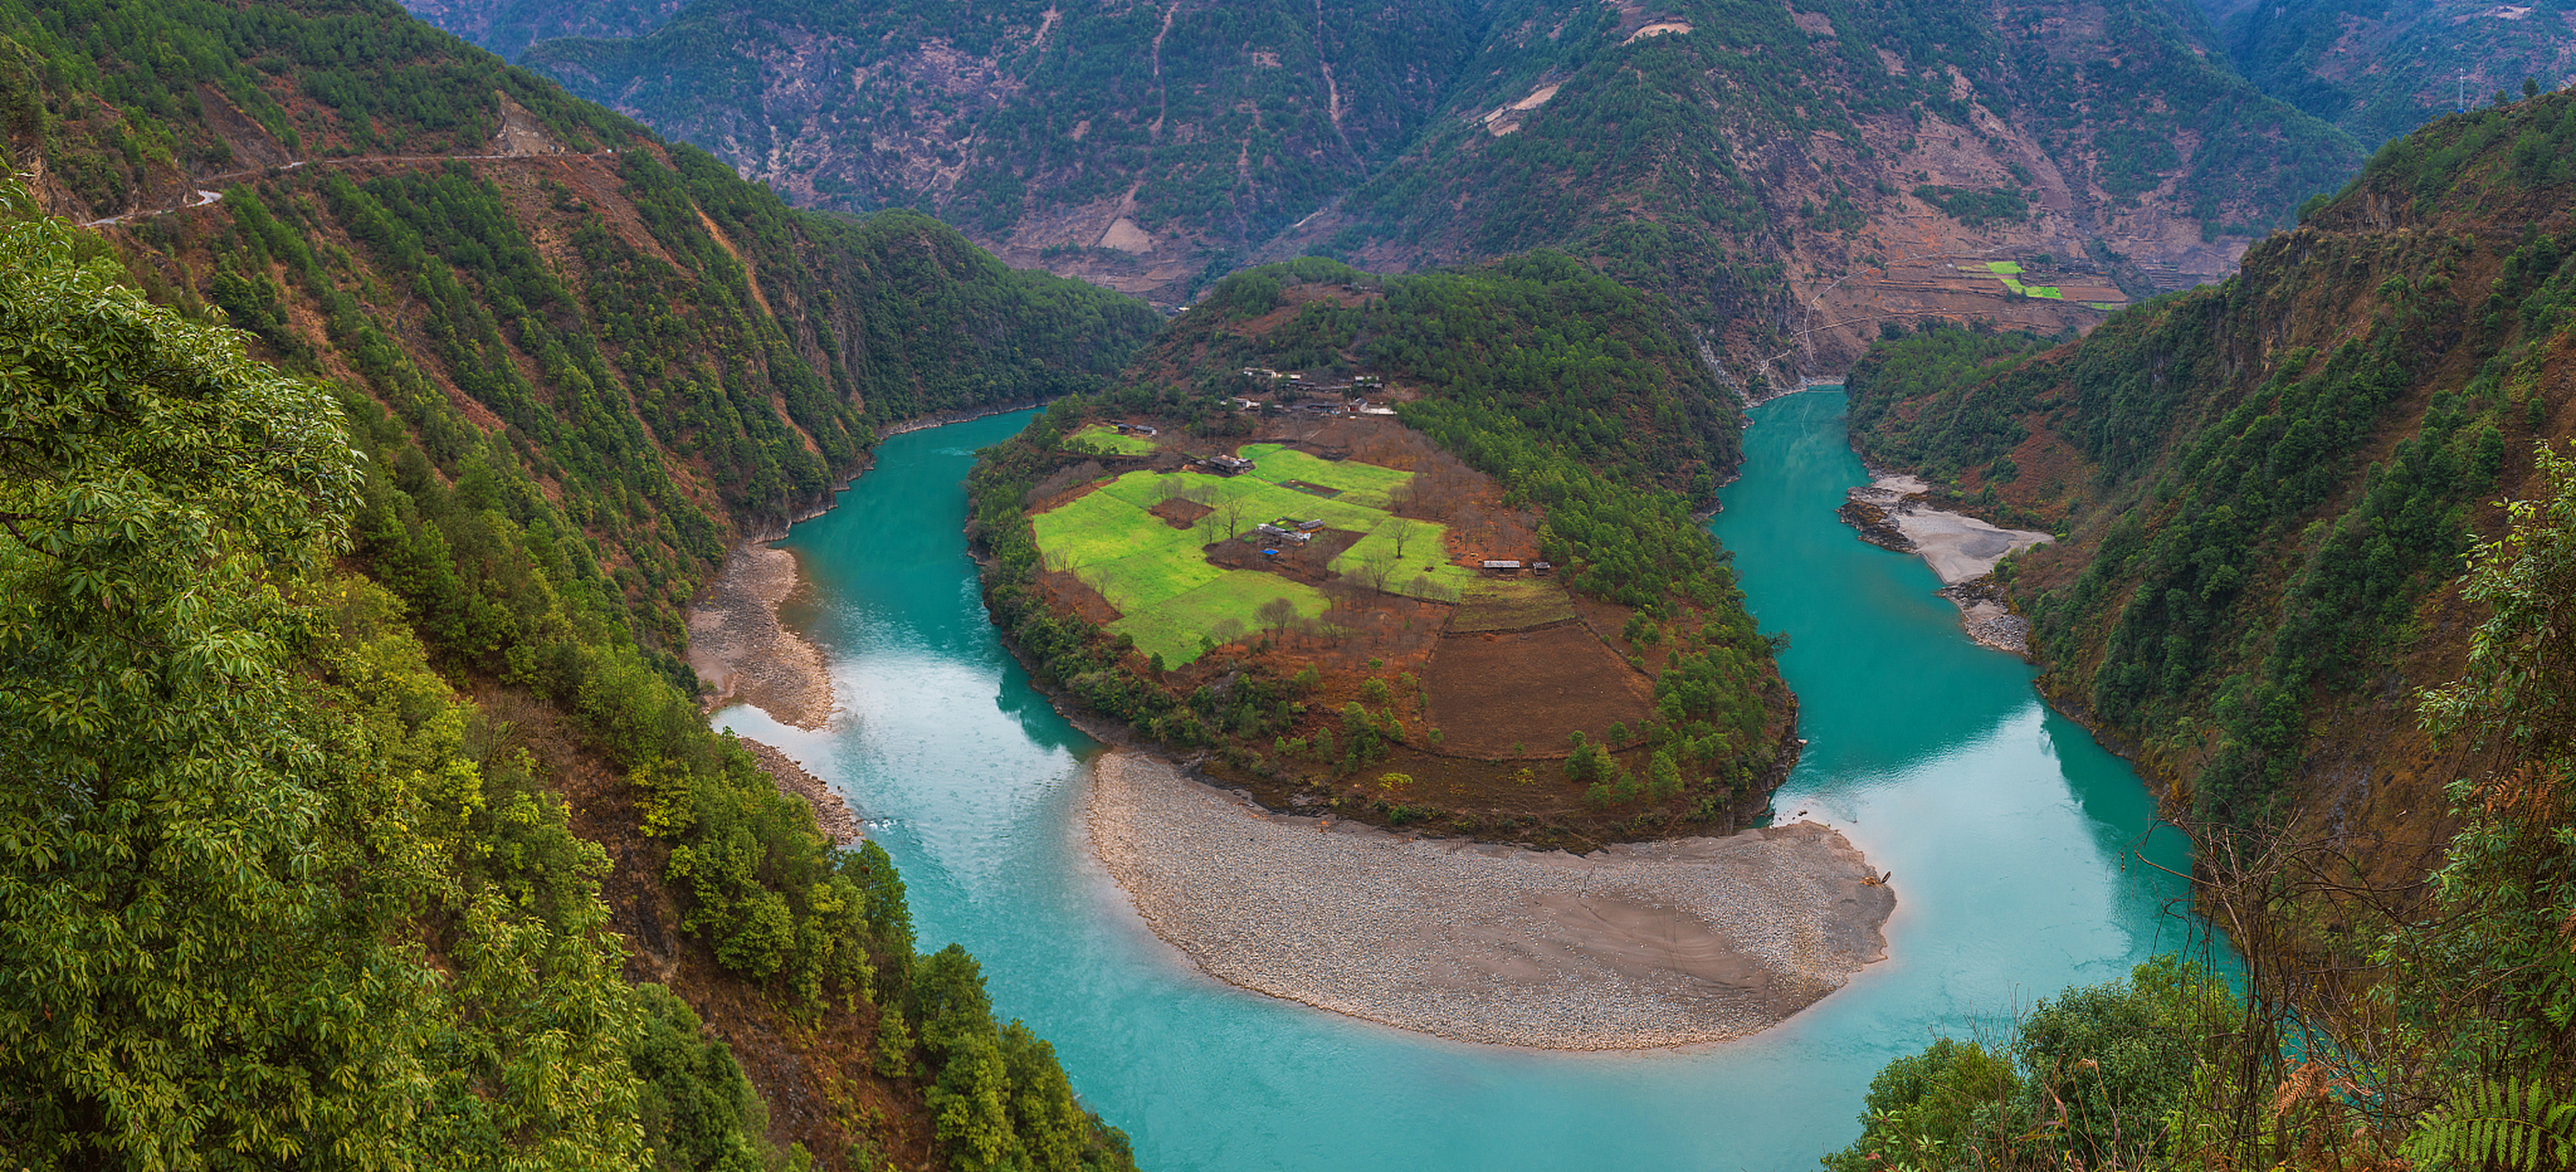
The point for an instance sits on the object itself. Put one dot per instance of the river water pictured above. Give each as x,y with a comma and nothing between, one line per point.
2023,856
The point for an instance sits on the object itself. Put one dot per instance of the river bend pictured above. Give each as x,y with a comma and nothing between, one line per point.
2023,856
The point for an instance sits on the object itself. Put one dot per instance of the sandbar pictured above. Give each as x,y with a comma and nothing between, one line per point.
1958,547
1635,946
1962,550
737,644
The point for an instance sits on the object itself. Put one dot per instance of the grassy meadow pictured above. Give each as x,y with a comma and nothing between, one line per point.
1159,578
1113,441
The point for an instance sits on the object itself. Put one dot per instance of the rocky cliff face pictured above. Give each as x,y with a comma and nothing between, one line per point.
1794,176
1136,145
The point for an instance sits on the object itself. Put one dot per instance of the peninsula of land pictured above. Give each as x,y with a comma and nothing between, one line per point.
1671,943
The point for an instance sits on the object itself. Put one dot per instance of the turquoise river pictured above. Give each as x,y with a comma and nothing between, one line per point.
2024,857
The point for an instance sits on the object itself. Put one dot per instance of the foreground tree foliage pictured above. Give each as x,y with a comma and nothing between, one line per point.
272,894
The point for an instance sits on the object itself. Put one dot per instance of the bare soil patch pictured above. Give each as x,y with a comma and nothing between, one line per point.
1311,562
1504,604
1533,689
1067,593
1179,513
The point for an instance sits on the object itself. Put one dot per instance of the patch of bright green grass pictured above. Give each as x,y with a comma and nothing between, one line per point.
2106,306
1361,484
1110,439
1423,571
2007,272
1158,577
1172,627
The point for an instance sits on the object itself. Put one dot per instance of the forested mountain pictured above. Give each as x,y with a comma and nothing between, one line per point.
1790,177
2270,483
508,26
1172,135
414,593
2381,68
2293,590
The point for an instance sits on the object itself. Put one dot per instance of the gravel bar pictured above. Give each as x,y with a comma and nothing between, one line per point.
1637,946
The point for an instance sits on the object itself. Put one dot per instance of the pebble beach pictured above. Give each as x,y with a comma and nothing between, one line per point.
1632,947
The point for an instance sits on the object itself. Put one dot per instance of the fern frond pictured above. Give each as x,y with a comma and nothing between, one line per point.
2509,1125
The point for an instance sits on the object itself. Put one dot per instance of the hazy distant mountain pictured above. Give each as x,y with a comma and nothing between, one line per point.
508,26
1794,177
2380,68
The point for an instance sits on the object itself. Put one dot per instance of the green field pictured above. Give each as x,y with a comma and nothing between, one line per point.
1159,578
1110,439
2010,274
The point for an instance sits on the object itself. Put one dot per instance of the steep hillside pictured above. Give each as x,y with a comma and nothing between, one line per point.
1541,415
2293,591
2270,486
1790,177
2381,68
1821,171
1138,144
662,351
554,367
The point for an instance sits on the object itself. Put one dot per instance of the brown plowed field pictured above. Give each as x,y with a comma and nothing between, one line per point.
1532,688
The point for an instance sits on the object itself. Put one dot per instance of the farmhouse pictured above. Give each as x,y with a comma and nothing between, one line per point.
1502,566
1228,465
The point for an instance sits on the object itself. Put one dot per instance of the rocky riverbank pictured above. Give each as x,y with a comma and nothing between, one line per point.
1658,944
831,811
1890,513
737,644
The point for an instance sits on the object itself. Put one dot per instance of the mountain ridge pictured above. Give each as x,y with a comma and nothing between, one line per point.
1793,195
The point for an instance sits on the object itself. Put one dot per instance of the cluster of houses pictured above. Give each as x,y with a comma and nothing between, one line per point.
1224,465
1350,407
1284,531
1507,567
1358,386
1144,429
1289,529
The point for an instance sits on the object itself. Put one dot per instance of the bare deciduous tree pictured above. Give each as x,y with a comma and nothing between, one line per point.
1277,613
1378,572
